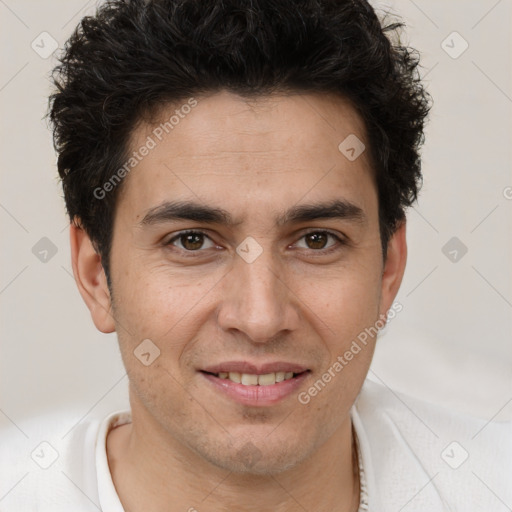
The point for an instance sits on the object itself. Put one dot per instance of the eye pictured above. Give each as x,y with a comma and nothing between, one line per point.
194,241
318,240
191,241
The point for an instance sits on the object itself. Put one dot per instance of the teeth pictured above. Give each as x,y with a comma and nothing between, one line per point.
248,379
235,377
267,379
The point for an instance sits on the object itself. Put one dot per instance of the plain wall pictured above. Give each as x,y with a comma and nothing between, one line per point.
451,343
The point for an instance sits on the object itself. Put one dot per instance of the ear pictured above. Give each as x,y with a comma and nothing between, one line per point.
394,268
90,278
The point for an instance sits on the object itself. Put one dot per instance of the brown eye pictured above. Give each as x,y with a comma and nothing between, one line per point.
191,241
319,240
316,240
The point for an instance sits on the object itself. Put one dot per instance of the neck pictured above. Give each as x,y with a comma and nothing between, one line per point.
152,471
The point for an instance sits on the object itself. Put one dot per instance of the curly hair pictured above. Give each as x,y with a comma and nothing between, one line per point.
136,55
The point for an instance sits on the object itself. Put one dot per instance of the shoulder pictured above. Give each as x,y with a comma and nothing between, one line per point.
379,405
426,455
47,462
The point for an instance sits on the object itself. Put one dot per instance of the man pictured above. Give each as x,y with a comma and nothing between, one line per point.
237,175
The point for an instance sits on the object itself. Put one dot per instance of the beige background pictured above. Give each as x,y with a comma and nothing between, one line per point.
451,343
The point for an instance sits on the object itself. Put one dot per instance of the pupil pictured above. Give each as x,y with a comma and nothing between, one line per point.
192,241
318,240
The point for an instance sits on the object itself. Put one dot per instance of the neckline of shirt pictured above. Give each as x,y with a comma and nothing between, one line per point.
109,499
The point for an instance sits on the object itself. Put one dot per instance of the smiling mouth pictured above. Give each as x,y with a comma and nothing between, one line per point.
250,379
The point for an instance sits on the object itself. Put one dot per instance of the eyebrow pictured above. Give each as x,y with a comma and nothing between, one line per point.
186,210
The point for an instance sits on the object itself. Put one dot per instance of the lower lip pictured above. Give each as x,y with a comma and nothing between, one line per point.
257,395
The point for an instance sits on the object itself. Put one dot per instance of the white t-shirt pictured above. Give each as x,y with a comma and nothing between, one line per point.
415,457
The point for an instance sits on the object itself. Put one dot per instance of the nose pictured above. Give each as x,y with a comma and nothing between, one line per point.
257,301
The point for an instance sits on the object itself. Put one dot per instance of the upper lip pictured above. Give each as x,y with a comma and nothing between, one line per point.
254,368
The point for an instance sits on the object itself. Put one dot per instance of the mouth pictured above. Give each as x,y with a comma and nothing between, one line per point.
256,386
252,379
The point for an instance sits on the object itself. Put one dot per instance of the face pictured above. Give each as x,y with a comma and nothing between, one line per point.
246,248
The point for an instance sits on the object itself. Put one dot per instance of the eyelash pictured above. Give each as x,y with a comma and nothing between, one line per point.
340,242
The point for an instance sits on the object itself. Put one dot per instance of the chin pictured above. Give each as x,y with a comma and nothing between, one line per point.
258,458
247,465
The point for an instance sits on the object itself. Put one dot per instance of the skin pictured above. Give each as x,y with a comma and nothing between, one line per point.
296,302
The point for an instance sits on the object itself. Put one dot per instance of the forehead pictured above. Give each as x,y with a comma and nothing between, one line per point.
277,147
303,118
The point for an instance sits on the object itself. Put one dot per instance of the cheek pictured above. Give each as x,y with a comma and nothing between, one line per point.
154,300
346,299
